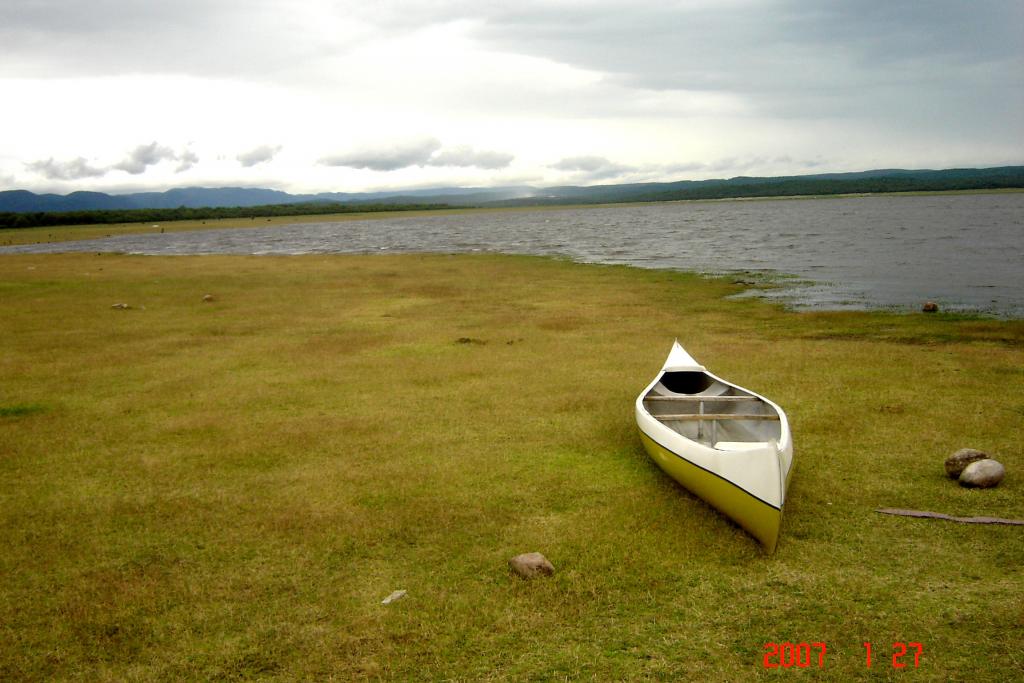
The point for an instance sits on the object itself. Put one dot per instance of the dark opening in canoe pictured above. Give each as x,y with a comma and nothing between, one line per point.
686,382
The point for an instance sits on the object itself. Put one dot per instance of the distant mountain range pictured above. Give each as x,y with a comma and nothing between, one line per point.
23,201
883,180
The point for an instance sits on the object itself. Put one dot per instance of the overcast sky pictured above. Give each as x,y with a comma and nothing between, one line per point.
322,95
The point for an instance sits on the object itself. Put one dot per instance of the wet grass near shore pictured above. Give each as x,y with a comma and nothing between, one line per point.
228,489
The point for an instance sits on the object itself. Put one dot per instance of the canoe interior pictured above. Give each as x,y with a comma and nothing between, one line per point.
705,409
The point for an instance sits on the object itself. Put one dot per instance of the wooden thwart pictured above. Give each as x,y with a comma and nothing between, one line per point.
951,518
693,417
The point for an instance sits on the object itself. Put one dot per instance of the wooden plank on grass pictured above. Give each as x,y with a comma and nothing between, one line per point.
951,518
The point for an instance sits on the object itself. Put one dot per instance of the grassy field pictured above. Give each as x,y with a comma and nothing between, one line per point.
227,490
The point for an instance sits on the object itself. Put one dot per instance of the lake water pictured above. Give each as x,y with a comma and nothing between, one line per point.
965,252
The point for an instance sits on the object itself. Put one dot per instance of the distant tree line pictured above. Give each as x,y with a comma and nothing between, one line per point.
54,218
742,188
799,187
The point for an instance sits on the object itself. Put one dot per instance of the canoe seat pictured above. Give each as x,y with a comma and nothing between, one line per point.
693,417
700,399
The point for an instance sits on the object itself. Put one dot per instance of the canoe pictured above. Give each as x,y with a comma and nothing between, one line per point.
726,444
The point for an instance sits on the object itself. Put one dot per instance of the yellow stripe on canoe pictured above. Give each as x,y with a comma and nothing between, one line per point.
758,518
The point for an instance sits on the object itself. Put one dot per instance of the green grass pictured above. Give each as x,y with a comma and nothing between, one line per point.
20,410
227,490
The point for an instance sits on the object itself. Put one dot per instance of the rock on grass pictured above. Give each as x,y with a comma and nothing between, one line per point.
956,463
530,565
983,474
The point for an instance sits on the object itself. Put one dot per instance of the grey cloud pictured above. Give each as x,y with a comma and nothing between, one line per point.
144,156
423,152
684,167
754,45
205,38
592,168
760,45
258,155
187,160
789,57
731,166
74,169
580,163
929,66
811,163
401,155
467,156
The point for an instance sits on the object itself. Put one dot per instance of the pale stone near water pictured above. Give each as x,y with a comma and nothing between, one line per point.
397,595
956,463
982,474
529,565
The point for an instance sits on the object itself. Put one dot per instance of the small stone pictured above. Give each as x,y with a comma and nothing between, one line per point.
956,463
121,307
530,565
983,474
930,307
208,298
396,595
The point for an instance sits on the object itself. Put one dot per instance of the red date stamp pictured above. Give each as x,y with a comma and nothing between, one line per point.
789,655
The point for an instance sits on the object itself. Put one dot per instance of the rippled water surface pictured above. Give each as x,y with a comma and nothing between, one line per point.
965,252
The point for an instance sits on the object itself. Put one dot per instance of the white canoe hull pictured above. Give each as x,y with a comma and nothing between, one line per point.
726,444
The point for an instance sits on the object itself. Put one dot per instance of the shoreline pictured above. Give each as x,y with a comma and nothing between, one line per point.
796,284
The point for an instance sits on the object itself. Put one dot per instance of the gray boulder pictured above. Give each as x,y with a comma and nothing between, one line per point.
956,463
530,565
982,474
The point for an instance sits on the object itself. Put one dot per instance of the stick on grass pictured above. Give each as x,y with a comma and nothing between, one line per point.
951,518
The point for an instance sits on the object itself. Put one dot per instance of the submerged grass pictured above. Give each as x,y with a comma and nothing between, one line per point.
228,489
